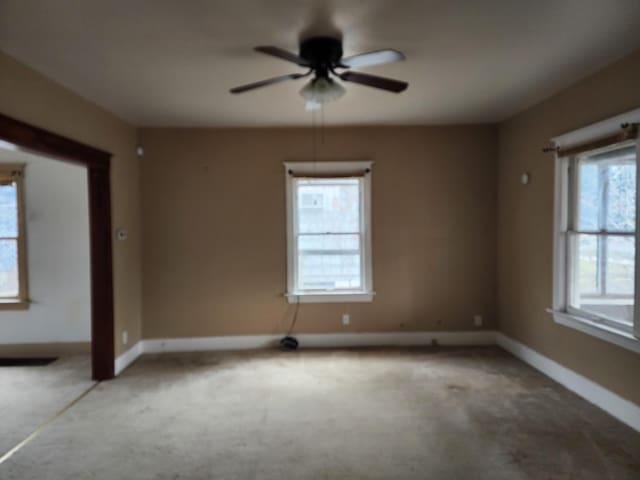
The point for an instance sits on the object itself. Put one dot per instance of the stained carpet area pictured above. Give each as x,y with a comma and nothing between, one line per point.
472,413
31,395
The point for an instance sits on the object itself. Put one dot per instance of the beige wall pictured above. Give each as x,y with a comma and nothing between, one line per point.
28,96
525,226
213,205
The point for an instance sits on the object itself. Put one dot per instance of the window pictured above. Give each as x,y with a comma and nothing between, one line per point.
329,232
13,280
595,247
602,238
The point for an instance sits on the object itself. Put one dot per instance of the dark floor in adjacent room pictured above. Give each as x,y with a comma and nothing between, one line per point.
424,413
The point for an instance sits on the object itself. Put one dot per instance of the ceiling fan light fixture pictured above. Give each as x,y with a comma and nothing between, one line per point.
321,90
311,106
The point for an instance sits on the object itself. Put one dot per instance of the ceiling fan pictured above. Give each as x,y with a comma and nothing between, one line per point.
323,57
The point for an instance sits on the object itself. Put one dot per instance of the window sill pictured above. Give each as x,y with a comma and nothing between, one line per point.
14,304
608,334
333,297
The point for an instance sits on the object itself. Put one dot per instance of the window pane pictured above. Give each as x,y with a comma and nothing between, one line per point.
621,201
328,205
8,268
329,262
620,265
8,210
589,196
607,191
587,265
603,282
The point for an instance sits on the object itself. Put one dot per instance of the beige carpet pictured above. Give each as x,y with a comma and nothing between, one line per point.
467,414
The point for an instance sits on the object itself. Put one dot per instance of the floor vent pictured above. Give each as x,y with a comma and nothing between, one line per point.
26,362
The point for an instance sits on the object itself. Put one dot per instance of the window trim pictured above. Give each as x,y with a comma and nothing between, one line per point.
563,190
324,169
15,171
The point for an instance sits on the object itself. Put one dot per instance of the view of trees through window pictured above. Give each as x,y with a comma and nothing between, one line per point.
605,242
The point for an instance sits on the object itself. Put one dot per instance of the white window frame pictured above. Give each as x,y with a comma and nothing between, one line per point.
14,172
562,313
326,169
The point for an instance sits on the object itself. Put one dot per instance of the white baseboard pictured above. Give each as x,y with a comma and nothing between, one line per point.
198,344
624,410
127,358
309,340
320,340
392,339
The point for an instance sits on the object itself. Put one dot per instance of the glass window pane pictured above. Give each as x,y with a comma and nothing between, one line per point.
621,198
620,265
329,262
607,191
8,210
586,269
328,205
603,282
589,196
8,268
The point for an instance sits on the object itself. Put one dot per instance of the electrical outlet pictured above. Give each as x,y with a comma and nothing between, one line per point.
125,337
477,320
345,319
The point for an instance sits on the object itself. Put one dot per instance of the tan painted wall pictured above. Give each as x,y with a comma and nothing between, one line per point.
525,222
29,96
213,204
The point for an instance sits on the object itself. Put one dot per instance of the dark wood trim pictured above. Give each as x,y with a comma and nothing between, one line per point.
102,322
98,162
48,143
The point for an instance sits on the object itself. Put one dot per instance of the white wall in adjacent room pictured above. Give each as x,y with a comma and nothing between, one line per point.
57,216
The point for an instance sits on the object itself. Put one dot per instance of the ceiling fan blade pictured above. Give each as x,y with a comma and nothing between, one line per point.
372,58
283,54
374,81
269,81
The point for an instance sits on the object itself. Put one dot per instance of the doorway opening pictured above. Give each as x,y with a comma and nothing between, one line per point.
35,140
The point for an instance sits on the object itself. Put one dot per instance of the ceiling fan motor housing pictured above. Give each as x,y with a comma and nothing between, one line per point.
322,53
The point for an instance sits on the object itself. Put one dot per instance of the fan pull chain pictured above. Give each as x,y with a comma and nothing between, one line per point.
322,124
313,136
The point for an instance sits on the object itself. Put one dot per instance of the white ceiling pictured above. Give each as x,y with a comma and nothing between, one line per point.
171,62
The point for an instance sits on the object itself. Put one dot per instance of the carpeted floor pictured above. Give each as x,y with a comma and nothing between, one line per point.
30,396
468,414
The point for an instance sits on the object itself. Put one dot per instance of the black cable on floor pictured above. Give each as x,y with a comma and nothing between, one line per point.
289,343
